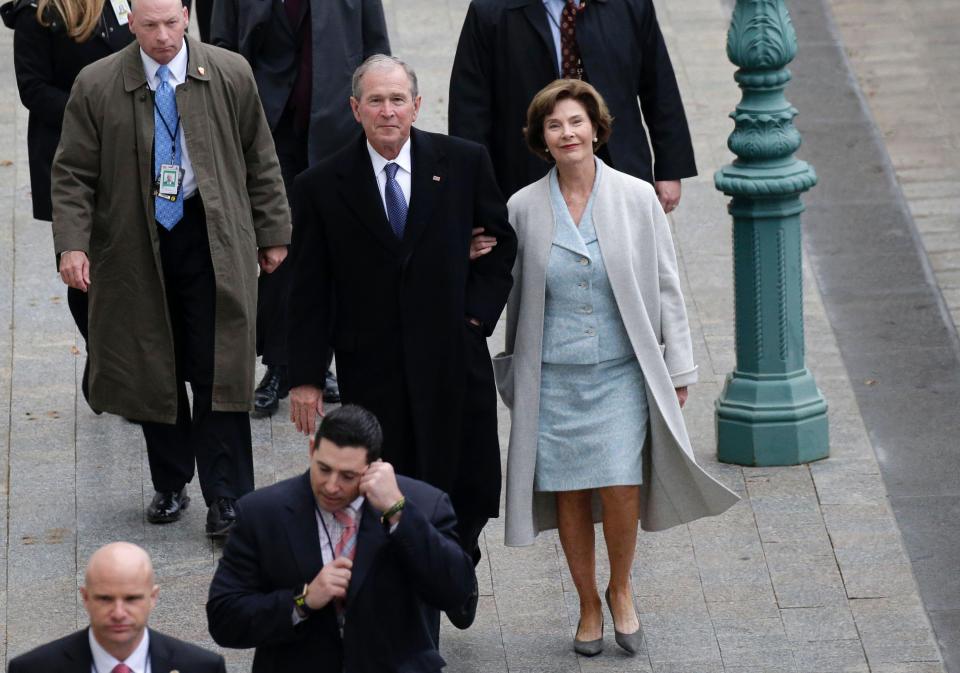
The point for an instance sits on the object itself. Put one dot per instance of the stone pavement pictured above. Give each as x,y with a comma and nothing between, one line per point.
807,574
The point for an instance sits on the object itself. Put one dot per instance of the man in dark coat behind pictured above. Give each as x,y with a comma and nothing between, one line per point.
394,292
510,49
302,53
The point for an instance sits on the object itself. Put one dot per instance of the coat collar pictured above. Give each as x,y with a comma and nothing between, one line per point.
76,648
304,538
198,66
359,190
301,528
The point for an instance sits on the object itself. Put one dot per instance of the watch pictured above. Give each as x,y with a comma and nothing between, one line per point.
300,603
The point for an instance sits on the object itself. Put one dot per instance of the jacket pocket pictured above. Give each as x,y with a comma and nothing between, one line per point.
503,373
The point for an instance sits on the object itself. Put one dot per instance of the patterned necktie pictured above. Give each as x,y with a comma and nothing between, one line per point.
571,67
396,204
121,668
347,544
166,146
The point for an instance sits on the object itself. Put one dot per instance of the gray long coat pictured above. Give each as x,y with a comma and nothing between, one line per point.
102,205
638,252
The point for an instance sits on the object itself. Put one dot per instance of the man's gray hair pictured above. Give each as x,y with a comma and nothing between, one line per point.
382,61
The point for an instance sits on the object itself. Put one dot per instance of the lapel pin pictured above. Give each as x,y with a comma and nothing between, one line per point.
436,178
202,72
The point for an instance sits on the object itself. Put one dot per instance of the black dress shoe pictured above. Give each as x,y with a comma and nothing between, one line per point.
167,506
463,616
331,389
272,388
221,517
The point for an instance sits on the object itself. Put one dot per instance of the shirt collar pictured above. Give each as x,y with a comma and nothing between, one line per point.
178,67
403,159
357,504
104,661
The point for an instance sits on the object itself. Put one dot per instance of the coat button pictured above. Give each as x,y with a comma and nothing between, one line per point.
586,308
584,261
582,284
589,331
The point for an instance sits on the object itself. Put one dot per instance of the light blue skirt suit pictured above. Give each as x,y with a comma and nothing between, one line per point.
593,404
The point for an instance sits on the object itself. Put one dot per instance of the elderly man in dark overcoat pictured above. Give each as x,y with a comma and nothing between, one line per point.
166,194
381,272
303,53
510,49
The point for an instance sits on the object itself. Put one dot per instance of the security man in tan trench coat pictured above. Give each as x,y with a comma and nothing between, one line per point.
170,264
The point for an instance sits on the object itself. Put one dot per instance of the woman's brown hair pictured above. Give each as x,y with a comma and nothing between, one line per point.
80,17
546,100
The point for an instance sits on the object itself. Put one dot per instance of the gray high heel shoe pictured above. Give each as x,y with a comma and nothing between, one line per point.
588,648
631,642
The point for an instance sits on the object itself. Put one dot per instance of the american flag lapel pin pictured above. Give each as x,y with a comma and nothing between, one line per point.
436,178
201,70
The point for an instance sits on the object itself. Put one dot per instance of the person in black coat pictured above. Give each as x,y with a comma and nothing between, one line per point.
343,568
48,53
302,54
119,594
406,312
510,49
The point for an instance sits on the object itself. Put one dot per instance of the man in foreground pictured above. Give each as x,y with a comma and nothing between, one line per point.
166,193
343,568
118,594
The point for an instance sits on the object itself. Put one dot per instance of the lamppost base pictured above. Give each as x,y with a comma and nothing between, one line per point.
771,420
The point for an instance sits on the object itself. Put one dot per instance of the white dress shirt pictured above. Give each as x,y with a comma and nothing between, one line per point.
103,661
404,175
178,75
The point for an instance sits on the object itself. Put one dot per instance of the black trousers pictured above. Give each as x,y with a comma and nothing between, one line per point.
204,12
219,441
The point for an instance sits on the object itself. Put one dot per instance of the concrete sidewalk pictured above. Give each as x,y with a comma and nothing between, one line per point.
807,574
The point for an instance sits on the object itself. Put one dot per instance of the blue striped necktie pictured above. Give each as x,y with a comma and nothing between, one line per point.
166,146
396,204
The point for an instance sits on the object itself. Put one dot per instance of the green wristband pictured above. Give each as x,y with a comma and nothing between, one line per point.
397,506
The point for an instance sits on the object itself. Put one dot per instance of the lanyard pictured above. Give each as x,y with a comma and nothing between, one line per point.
176,129
333,554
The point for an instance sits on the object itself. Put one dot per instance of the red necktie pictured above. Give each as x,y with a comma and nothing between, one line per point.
571,67
121,668
346,545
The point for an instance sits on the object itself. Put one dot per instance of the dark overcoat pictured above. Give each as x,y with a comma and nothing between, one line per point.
396,580
343,34
394,311
103,205
46,61
506,54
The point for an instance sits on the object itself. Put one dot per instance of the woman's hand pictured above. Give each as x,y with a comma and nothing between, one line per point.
682,396
480,245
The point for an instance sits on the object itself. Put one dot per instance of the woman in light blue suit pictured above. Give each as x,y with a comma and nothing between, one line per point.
597,363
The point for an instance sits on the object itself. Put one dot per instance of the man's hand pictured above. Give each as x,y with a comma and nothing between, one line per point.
480,245
305,403
75,269
682,396
379,485
668,191
331,582
271,258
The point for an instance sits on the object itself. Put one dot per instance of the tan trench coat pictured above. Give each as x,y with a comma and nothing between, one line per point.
638,251
102,205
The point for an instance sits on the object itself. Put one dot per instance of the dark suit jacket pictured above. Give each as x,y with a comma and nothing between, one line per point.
396,579
46,61
395,311
71,654
506,55
343,34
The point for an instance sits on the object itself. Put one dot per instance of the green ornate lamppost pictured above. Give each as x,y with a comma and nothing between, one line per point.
770,411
